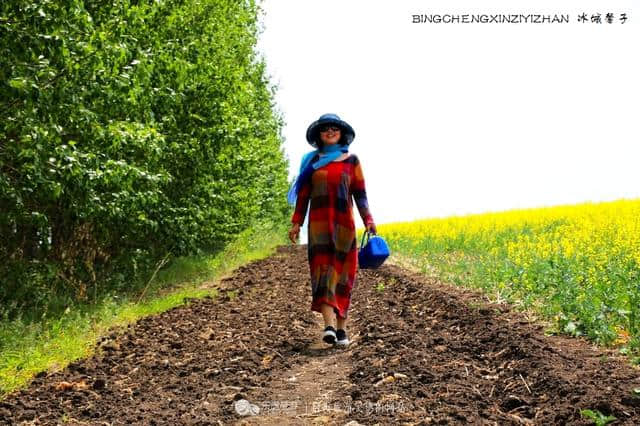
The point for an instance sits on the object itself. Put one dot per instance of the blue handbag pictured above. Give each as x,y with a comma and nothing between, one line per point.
372,254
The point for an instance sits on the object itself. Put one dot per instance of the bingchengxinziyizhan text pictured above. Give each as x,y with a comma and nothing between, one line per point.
530,18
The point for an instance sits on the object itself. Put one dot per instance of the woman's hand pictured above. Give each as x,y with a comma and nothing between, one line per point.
294,232
371,227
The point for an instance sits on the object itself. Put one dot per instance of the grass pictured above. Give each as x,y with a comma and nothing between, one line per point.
51,344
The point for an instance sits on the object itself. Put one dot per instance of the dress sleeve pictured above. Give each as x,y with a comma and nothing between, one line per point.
359,193
302,203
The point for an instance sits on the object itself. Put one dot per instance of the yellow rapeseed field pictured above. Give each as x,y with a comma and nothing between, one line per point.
576,264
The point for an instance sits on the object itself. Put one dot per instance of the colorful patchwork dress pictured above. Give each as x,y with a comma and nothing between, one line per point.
332,248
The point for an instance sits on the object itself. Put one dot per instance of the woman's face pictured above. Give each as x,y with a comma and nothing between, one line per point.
330,134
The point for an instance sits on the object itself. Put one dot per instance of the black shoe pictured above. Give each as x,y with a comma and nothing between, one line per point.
329,335
341,338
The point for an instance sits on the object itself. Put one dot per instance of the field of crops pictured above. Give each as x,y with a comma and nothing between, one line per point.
576,265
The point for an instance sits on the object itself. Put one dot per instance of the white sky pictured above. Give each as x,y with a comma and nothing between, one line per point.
452,119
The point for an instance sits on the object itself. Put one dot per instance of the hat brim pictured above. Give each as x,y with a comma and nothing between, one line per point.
313,131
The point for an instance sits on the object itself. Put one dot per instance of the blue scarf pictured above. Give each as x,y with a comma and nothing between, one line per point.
307,167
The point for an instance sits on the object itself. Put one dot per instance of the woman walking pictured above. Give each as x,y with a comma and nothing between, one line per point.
328,178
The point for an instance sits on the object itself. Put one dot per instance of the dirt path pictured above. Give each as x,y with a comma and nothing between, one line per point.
422,353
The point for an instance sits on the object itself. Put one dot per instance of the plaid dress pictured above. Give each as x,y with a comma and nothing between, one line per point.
332,248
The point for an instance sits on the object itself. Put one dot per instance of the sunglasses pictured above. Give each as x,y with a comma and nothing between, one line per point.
329,127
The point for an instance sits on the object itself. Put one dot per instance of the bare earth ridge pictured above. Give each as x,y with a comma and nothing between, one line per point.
422,352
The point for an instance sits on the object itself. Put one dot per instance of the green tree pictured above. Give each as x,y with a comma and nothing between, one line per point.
129,129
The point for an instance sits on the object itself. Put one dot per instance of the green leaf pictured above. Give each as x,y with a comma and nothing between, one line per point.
570,327
18,83
598,418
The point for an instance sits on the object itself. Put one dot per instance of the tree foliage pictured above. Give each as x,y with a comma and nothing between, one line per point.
129,129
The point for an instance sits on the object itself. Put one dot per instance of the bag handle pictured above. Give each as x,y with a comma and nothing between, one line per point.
366,232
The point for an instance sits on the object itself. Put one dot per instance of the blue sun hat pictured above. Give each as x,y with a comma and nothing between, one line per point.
313,131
